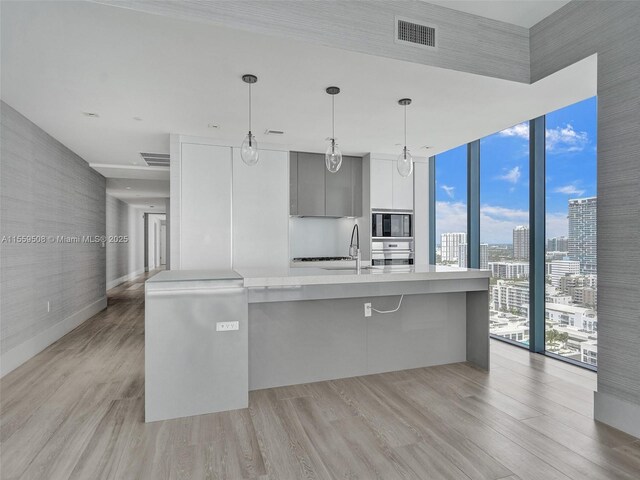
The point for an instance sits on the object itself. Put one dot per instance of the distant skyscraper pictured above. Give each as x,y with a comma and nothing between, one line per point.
462,255
562,244
558,244
484,256
521,242
449,243
582,233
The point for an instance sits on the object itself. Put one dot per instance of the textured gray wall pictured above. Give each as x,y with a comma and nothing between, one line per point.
117,213
612,30
45,189
125,260
465,42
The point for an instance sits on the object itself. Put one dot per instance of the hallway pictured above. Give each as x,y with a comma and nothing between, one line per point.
76,411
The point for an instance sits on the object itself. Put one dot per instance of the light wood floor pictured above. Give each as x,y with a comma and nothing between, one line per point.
76,411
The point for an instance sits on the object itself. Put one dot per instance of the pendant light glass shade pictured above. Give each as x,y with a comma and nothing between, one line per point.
333,157
249,150
405,160
405,163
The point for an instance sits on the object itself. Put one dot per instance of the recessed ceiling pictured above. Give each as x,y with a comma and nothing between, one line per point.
525,13
60,59
139,193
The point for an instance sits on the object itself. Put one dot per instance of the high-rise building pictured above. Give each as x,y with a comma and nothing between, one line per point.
509,270
558,269
510,295
582,289
449,246
484,256
521,242
582,233
558,244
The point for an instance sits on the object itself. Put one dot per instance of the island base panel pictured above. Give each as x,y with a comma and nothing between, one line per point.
309,341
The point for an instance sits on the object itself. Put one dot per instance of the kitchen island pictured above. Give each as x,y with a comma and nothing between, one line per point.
212,336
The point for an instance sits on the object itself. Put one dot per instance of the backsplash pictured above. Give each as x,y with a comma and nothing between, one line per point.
320,237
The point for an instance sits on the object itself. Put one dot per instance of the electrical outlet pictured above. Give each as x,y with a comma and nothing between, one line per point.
227,326
367,309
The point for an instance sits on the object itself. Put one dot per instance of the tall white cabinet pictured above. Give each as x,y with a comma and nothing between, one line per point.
261,210
205,207
225,214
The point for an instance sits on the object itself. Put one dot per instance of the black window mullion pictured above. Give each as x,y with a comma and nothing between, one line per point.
537,159
473,204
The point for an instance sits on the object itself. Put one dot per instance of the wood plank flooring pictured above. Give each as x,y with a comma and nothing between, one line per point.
75,411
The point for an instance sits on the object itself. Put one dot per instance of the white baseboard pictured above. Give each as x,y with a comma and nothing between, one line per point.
18,355
124,278
617,413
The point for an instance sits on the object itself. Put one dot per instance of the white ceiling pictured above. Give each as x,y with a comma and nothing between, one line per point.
140,193
60,59
525,13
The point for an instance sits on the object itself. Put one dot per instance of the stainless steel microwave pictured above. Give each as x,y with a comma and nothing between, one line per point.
391,224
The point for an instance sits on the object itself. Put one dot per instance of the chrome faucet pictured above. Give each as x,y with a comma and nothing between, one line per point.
354,249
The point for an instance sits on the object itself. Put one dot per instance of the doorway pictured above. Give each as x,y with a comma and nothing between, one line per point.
155,241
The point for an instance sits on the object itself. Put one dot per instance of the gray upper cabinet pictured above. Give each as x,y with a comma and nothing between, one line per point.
314,191
311,184
293,183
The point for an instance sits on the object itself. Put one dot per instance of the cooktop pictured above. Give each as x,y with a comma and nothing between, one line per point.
320,259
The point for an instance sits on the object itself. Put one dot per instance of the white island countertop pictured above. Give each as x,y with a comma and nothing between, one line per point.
285,277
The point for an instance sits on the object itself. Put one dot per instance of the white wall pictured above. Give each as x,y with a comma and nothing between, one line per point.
125,260
421,212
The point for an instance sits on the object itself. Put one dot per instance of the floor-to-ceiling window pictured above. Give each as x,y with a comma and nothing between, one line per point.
562,310
571,319
451,207
504,229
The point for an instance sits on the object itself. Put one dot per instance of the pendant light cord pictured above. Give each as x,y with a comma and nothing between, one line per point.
333,117
249,108
404,150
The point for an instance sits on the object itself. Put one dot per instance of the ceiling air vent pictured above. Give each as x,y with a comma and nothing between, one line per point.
414,33
156,159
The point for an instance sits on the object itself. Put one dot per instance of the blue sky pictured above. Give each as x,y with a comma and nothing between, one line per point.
504,175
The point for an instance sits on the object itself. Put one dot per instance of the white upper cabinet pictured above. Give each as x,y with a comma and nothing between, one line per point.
390,190
402,190
381,184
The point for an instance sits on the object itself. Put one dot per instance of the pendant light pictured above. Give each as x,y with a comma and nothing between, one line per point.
333,157
249,149
405,160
